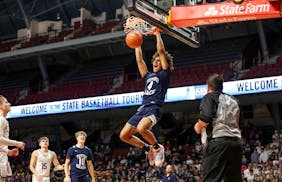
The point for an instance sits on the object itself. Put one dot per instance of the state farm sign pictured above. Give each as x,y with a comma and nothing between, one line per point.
214,13
240,9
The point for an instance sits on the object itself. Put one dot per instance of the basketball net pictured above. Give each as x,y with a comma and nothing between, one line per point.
138,25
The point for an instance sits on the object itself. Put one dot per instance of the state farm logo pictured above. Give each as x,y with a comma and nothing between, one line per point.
233,9
211,11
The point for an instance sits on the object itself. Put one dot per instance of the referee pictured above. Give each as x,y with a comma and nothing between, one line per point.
219,121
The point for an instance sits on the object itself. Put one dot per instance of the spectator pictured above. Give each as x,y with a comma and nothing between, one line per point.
255,156
263,156
169,176
275,135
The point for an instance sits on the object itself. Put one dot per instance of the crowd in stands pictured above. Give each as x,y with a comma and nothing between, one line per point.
261,162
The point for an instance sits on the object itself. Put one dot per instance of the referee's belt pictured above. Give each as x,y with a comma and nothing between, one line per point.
221,139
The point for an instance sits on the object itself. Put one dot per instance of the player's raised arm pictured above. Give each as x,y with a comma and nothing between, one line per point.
140,62
161,49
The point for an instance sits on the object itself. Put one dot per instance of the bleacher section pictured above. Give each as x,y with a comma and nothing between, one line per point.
7,45
93,79
86,29
71,90
12,85
96,79
265,70
197,75
43,32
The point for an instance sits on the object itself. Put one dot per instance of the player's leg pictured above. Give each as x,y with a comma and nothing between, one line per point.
144,129
127,135
128,132
46,179
155,156
75,178
5,168
85,178
150,116
34,178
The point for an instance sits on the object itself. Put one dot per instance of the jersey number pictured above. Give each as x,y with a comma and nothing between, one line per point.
150,85
44,166
81,161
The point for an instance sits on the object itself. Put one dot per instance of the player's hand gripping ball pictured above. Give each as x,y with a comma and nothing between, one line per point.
134,39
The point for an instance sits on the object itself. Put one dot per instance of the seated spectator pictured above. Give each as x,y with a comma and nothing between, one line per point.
250,176
169,176
275,135
255,156
264,155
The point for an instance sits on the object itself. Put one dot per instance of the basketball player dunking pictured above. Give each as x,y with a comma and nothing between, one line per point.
40,162
150,112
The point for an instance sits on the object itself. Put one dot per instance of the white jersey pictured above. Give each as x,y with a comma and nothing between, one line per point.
5,169
42,166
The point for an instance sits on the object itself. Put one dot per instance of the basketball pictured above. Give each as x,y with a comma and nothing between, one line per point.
134,39
238,1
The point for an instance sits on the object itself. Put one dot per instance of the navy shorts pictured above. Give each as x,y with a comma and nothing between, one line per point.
85,178
153,112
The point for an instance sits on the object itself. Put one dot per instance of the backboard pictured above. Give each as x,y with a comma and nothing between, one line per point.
157,16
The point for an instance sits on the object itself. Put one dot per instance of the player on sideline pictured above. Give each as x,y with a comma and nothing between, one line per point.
150,112
79,159
40,162
5,169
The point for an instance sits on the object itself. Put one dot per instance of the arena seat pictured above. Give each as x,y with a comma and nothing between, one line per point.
263,70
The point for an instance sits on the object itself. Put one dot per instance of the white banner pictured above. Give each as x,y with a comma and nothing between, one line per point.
240,87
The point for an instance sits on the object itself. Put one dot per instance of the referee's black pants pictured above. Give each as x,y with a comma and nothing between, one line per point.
222,160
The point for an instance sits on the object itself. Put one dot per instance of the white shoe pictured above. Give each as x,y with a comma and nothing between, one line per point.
151,156
159,156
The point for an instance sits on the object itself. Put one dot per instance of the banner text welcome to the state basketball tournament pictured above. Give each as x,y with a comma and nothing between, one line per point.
240,87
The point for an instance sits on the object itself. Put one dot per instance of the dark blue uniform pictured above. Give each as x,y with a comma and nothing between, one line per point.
78,165
154,95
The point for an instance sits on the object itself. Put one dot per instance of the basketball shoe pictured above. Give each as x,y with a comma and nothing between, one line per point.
159,156
151,156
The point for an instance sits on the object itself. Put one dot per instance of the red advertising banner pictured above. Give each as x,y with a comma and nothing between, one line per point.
216,13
